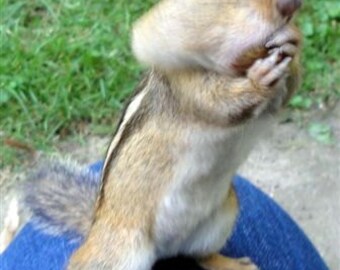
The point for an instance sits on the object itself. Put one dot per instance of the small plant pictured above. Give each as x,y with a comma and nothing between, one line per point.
319,22
321,133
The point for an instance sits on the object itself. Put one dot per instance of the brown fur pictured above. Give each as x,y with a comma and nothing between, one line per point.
61,196
212,72
139,171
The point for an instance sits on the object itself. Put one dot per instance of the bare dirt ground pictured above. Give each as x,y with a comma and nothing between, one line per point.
301,174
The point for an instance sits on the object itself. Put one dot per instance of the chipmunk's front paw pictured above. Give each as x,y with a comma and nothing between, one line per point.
287,39
219,262
265,73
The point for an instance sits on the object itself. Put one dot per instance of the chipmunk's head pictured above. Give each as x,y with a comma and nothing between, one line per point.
233,27
276,10
288,7
252,25
255,14
208,33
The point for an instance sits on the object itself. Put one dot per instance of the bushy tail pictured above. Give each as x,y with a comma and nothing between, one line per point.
61,196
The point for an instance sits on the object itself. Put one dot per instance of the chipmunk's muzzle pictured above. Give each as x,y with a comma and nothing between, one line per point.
288,7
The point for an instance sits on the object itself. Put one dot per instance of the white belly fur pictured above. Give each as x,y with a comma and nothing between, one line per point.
190,219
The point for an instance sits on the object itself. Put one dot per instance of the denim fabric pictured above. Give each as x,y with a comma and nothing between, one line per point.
264,232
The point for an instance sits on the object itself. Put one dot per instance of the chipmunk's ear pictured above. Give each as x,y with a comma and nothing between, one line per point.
288,7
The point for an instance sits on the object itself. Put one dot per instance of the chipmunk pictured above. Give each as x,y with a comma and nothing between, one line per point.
217,72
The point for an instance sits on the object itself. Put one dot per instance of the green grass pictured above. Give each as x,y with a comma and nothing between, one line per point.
65,64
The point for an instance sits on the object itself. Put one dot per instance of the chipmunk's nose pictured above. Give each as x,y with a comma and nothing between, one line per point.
288,7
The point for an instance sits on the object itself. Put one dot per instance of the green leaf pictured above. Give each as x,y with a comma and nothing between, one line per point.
301,102
4,97
321,133
307,28
333,9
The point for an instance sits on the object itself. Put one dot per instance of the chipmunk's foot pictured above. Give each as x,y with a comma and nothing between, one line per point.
219,262
11,225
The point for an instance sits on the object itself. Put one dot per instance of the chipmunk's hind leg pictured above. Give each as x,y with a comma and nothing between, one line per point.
219,262
11,225
114,250
139,259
